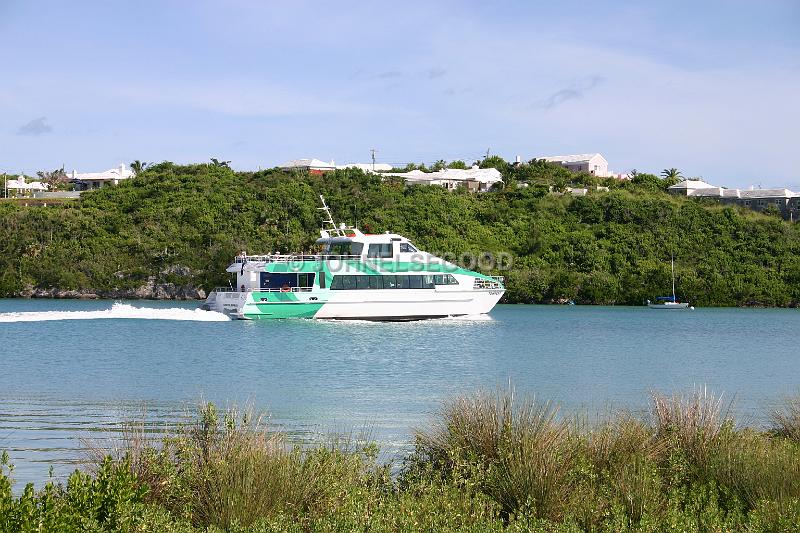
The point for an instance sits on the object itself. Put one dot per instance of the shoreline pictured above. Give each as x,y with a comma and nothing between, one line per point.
186,293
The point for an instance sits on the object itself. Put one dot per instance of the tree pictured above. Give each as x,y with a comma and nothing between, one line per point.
671,174
139,166
439,165
55,180
219,163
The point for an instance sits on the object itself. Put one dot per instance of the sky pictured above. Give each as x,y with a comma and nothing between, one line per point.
711,88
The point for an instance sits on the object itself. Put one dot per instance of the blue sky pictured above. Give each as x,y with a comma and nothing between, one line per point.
712,87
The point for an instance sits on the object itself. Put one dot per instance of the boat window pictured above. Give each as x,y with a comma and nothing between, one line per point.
344,248
407,247
305,280
278,280
322,280
380,250
361,282
444,279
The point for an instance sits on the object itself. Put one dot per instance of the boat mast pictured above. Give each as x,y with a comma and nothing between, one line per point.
673,279
328,224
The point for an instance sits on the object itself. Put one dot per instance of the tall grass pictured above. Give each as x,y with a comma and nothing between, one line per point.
225,469
785,420
488,461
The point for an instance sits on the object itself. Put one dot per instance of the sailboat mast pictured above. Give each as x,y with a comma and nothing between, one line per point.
673,278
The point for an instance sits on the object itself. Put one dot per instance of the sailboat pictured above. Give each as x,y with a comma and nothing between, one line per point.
669,302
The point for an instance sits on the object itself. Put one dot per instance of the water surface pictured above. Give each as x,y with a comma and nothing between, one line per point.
68,379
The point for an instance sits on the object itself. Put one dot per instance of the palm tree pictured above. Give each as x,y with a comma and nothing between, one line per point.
671,174
139,166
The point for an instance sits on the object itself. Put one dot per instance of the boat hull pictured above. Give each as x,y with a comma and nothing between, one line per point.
378,305
669,305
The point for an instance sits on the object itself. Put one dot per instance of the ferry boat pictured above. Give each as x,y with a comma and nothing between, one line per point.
357,276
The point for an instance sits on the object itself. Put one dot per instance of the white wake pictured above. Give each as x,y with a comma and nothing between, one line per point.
118,310
470,318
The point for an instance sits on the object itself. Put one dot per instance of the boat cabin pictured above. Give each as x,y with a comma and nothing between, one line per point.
366,246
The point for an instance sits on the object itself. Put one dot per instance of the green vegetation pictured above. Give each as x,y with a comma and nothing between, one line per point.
183,224
489,462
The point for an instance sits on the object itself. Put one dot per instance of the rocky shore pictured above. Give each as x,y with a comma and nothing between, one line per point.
155,288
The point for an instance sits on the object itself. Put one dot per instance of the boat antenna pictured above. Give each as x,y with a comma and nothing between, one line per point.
328,225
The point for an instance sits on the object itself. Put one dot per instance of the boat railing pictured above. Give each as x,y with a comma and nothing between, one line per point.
271,289
291,258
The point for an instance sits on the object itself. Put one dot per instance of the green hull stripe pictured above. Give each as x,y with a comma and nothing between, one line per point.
283,311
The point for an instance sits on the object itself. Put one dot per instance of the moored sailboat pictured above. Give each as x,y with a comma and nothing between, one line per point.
669,302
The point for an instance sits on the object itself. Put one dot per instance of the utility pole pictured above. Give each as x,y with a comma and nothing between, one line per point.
487,153
373,151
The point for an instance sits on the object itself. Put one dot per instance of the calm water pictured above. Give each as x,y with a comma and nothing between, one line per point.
66,380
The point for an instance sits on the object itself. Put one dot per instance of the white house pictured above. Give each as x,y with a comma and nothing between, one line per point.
590,163
474,179
689,187
312,166
784,200
94,180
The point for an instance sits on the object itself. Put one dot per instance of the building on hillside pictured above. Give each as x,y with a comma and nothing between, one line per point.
689,187
94,180
473,179
312,166
594,164
368,167
785,201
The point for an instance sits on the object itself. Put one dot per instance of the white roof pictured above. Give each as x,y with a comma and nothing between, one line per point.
576,158
482,175
692,184
368,167
119,173
313,163
768,193
18,183
722,192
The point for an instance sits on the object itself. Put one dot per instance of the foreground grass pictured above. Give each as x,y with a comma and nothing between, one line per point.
489,462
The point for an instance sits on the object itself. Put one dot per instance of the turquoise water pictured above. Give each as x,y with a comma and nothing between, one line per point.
66,380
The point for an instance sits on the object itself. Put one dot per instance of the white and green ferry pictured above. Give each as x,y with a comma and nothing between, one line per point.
356,276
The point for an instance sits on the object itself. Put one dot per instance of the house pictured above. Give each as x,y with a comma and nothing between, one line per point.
312,166
473,179
594,164
689,187
367,167
94,180
785,201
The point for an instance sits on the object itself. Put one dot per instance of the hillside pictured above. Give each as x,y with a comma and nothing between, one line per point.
175,228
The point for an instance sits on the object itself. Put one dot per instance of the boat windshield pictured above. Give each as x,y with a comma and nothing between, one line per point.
344,248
